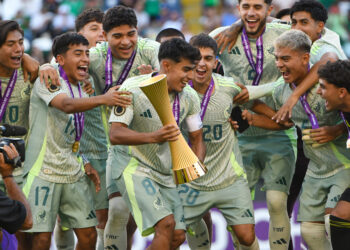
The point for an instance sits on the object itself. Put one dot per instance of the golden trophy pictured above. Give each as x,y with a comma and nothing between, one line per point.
186,165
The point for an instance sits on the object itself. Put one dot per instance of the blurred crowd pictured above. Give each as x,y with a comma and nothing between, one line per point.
44,19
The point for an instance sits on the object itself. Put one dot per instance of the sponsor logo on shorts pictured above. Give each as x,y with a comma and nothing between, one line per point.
146,114
247,213
41,216
280,242
91,215
282,181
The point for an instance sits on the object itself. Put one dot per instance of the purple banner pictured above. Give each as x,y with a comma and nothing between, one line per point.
222,238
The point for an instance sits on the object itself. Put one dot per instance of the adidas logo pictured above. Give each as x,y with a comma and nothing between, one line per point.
280,242
282,181
146,114
91,215
235,51
247,213
111,247
336,198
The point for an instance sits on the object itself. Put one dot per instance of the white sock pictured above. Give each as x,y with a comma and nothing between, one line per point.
115,230
64,239
314,235
254,246
279,228
200,239
100,238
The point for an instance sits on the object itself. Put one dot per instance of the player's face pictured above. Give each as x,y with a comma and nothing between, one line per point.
292,64
253,14
178,74
11,52
93,32
331,94
122,41
303,21
205,66
75,62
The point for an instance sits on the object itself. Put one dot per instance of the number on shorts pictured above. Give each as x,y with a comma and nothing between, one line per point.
192,195
47,190
147,184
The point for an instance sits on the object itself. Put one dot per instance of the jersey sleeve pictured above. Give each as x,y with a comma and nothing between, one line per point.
12,213
45,94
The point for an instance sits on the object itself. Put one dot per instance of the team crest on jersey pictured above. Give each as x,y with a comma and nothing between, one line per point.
40,216
26,92
271,50
119,110
53,88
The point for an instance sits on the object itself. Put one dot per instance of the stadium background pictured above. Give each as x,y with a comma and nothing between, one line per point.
42,20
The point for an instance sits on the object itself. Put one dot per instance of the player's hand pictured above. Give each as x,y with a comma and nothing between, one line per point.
285,112
234,124
145,69
117,98
226,38
93,175
324,134
87,87
246,115
48,75
243,96
5,168
168,132
307,139
30,67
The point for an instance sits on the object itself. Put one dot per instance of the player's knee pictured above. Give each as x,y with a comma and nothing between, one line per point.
166,224
42,241
246,238
276,201
179,237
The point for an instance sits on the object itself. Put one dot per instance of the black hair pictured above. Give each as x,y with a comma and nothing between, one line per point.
62,42
117,16
336,73
203,40
317,11
282,13
169,32
177,49
266,1
87,16
6,27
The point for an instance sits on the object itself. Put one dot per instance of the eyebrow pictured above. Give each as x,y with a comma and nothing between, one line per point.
8,41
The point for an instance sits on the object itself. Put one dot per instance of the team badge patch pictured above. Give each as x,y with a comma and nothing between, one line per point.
119,110
53,88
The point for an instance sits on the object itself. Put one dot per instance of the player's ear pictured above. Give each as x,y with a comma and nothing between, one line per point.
166,65
60,59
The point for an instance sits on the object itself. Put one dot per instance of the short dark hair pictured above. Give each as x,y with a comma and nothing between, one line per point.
282,13
87,16
6,27
203,40
266,1
169,32
117,16
317,11
177,49
62,42
336,73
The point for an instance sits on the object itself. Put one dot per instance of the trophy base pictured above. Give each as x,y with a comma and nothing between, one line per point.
189,173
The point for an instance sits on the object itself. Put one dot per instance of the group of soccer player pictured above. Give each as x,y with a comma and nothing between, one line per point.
98,161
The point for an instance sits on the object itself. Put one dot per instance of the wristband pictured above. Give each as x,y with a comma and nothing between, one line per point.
7,176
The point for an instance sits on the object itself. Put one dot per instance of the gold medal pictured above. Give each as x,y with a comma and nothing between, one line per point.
75,146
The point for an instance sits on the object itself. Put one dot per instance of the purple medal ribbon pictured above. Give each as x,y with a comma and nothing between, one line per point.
109,70
347,127
176,108
78,117
258,66
4,100
206,98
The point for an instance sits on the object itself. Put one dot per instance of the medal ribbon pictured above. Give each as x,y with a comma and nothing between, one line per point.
4,100
347,125
206,97
258,66
78,117
176,108
109,70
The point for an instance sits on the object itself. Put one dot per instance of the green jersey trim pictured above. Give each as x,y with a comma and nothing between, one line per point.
345,161
293,139
236,167
129,184
105,124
